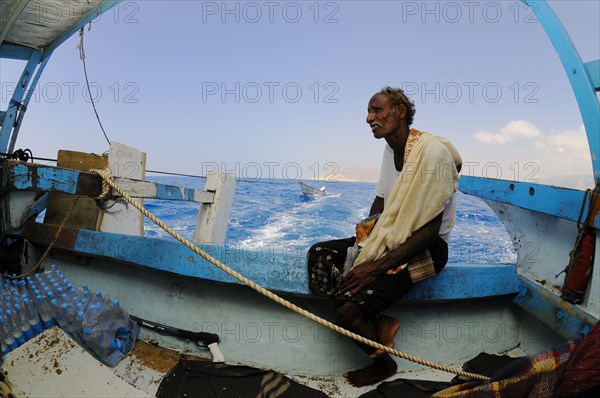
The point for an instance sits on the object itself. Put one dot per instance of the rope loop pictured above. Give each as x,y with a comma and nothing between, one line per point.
106,177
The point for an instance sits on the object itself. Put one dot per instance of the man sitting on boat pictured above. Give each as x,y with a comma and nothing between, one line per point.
416,198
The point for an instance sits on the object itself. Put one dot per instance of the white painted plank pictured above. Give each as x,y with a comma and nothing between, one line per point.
148,189
212,220
53,365
127,162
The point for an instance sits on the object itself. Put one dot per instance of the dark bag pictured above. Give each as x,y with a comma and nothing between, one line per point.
201,379
325,265
17,255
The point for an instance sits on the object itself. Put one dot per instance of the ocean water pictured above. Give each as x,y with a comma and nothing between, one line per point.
274,215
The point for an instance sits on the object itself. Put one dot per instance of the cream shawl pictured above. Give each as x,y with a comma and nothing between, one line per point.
428,180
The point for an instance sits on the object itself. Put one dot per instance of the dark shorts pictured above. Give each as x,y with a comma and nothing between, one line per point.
385,290
379,295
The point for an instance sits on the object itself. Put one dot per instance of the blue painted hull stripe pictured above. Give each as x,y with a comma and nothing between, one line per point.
280,271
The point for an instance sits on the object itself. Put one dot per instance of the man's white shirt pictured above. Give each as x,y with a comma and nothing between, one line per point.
388,176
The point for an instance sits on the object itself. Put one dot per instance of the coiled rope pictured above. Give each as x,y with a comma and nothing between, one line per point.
105,174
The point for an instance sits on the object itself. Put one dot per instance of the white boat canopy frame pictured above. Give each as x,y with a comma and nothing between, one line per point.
31,30
584,77
42,25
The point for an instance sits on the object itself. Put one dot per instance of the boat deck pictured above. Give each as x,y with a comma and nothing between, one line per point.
53,365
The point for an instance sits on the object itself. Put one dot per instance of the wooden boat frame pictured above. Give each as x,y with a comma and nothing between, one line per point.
536,216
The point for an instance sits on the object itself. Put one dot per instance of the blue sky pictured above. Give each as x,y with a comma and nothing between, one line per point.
280,89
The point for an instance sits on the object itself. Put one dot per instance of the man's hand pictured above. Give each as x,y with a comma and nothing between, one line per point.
360,277
365,274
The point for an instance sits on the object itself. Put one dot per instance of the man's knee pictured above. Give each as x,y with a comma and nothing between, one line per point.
349,315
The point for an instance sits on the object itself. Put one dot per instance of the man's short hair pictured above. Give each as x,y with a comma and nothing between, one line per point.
399,98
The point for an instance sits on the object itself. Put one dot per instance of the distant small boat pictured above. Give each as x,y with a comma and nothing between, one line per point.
308,190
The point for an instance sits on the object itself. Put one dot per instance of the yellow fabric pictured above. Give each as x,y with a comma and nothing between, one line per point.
428,180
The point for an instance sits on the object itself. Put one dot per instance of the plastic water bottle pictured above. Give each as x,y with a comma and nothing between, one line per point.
97,298
32,316
85,295
40,282
21,288
9,342
123,326
76,329
100,321
45,311
4,302
45,299
90,337
65,311
54,277
110,346
54,304
92,313
12,327
93,331
71,292
97,341
15,299
23,322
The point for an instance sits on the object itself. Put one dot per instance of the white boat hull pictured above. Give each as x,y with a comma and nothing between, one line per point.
258,332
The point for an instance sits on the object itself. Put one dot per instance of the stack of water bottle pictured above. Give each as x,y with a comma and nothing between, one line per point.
45,299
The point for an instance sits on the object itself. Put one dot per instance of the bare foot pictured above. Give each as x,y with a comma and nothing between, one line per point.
387,327
382,368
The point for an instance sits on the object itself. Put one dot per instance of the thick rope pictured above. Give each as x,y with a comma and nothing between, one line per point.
105,193
105,174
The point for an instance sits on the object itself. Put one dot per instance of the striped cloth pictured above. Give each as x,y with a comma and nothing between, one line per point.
419,267
533,377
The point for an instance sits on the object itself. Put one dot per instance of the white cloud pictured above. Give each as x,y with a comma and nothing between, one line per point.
520,128
490,138
515,128
533,156
570,141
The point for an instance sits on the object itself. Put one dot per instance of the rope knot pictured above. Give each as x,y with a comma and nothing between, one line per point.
106,176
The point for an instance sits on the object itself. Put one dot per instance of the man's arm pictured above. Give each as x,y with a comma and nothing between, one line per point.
365,274
377,206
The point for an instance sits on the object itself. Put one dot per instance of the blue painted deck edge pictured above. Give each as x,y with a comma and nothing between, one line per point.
280,272
559,202
458,281
29,176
